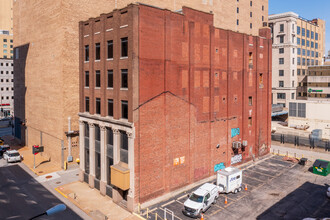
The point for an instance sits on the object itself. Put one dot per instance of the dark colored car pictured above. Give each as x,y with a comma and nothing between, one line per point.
4,148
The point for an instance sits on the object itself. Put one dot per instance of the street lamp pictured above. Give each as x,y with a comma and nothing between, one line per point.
51,211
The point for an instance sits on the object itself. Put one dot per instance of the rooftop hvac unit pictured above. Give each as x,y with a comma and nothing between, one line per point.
237,145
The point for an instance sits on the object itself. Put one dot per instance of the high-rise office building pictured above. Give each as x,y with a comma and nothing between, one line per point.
297,44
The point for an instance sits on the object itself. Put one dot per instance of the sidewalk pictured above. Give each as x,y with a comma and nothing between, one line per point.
93,203
310,154
43,163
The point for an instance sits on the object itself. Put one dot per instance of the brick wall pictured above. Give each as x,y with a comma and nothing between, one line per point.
194,87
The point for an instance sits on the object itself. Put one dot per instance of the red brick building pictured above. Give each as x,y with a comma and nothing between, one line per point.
165,96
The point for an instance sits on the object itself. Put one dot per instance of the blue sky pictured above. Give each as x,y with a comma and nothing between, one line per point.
307,9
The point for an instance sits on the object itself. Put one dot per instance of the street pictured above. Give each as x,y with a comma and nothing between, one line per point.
22,197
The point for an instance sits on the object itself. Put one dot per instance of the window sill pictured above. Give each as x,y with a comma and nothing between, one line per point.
124,89
123,58
97,87
96,61
86,61
86,87
109,59
109,88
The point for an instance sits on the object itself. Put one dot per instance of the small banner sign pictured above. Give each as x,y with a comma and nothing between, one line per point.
37,149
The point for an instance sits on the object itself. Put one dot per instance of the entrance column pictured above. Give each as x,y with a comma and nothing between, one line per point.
103,182
91,155
116,146
81,150
130,196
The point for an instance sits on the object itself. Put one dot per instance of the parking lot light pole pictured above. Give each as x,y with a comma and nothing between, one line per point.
56,209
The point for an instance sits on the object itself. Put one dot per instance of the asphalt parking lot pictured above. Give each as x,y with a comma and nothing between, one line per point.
277,189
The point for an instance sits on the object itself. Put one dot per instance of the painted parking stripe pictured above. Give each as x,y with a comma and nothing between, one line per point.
262,173
170,202
171,213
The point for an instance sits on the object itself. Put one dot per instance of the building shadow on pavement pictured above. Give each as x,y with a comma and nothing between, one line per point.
309,200
22,196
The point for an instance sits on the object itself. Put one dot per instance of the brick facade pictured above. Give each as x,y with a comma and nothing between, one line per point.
189,91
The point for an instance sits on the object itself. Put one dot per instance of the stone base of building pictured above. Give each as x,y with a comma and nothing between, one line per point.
91,181
81,175
103,188
130,203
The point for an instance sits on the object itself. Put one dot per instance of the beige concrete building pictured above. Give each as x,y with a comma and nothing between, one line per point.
47,63
316,84
297,44
314,114
6,29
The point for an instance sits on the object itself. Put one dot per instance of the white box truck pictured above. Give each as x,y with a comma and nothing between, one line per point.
229,180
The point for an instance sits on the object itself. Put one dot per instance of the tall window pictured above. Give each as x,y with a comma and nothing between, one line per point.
312,44
250,14
298,30
124,81
97,78
237,22
303,32
124,47
298,51
97,51
123,147
281,27
312,34
281,39
281,72
298,40
307,34
86,52
250,25
110,107
110,49
250,101
124,109
298,72
280,83
281,50
86,104
316,36
98,106
251,3
307,43
303,42
280,95
237,10
281,60
250,60
110,78
86,78
292,60
316,46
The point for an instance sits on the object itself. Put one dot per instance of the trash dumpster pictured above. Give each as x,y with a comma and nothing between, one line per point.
321,167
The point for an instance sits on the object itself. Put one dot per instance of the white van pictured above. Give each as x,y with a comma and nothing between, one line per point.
200,200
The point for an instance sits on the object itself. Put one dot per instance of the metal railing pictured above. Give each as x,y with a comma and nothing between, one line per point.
310,141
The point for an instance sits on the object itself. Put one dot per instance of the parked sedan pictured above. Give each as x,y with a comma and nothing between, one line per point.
328,192
12,156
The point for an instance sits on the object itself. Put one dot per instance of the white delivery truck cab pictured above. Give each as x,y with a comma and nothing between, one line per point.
200,200
229,180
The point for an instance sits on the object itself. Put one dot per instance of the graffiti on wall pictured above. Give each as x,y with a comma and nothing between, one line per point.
235,132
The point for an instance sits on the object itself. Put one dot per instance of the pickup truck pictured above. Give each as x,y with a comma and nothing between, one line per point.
200,200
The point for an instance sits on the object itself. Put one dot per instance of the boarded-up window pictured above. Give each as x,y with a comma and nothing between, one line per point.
216,103
197,79
206,104
216,80
293,109
184,79
302,110
206,81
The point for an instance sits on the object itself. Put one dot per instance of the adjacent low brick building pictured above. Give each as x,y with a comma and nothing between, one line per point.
165,96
